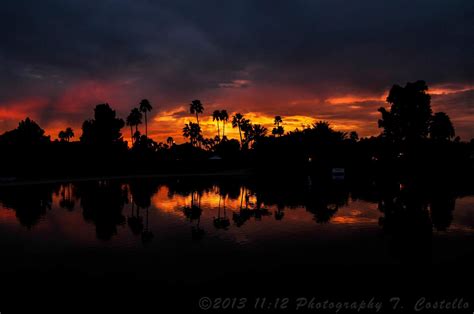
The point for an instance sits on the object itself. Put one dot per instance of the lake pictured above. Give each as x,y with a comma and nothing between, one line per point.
184,233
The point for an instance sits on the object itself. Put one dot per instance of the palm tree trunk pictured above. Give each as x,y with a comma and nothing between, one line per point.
197,118
240,133
223,129
131,134
146,125
218,130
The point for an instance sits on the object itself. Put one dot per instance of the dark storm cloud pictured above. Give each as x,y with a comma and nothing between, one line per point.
178,49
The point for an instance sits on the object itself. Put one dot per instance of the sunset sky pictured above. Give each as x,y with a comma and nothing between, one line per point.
304,60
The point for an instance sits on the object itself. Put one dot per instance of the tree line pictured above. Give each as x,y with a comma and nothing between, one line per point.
409,118
408,127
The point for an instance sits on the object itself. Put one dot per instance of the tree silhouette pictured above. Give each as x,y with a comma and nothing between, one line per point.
170,141
210,143
224,117
246,127
216,116
145,107
104,128
133,120
441,128
196,108
353,136
28,132
66,135
144,144
410,112
193,132
237,121
278,130
62,136
258,132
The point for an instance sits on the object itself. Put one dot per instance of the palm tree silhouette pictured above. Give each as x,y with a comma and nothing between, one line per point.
278,130
66,135
224,117
246,127
145,107
133,120
216,116
258,132
193,132
196,107
237,121
170,141
130,123
69,134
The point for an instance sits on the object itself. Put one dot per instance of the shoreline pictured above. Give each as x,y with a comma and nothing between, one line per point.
19,182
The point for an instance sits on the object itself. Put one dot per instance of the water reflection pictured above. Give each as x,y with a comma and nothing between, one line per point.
30,203
102,203
407,213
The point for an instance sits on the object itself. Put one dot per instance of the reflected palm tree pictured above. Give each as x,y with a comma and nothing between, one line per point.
193,213
221,222
259,211
251,209
67,200
135,222
244,214
147,235
279,213
141,192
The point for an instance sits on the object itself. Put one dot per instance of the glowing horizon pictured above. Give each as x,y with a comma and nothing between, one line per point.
346,112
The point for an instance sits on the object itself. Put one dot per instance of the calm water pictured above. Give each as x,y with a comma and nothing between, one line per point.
151,215
192,231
